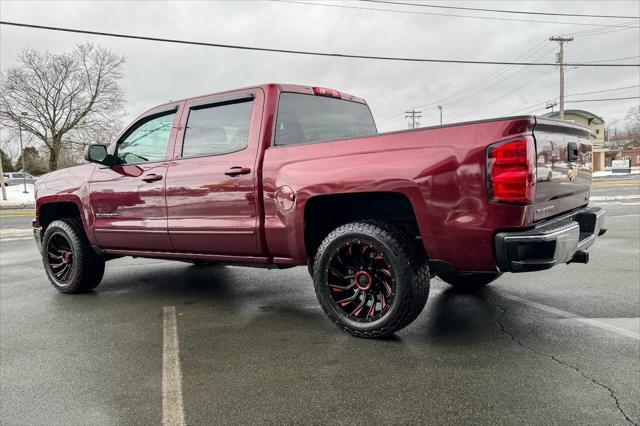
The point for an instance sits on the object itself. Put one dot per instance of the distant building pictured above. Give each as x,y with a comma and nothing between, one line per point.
596,125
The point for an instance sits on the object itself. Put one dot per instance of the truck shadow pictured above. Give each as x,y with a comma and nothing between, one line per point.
282,298
454,317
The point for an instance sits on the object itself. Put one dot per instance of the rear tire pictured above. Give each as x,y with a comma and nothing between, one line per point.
469,282
69,261
370,279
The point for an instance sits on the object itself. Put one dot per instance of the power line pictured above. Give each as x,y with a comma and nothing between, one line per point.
572,94
413,12
297,52
612,60
502,10
468,90
505,95
602,100
600,31
472,90
603,91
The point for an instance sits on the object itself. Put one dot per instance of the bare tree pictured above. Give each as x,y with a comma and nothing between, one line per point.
65,96
610,130
632,121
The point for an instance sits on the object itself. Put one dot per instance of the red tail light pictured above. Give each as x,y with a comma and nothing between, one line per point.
511,173
323,91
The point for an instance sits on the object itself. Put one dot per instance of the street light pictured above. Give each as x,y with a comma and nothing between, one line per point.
24,176
440,108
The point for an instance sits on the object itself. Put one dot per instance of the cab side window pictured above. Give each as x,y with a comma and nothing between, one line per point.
217,129
147,142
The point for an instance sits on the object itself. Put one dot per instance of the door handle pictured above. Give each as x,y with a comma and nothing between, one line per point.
152,177
236,171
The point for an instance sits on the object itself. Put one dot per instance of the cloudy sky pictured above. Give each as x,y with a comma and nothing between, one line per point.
157,72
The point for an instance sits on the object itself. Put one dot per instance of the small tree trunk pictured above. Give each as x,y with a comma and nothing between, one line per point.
54,152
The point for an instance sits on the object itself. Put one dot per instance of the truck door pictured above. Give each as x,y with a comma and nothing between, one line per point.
212,187
128,199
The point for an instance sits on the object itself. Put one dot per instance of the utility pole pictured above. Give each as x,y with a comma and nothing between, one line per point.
4,191
414,117
440,108
561,41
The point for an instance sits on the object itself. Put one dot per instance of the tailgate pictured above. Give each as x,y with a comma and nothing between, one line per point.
563,166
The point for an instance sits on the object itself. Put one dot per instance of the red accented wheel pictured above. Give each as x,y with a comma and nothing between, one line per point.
69,261
361,281
370,279
60,256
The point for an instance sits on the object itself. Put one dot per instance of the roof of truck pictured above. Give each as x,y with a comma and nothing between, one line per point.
283,87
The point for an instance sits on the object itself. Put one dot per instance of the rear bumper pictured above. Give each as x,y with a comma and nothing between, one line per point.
553,242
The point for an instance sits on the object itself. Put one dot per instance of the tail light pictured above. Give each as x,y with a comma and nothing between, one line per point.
511,171
323,91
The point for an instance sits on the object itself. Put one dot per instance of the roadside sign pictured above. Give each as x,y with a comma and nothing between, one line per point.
620,164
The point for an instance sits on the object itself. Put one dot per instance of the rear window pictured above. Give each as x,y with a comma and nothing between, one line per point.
308,118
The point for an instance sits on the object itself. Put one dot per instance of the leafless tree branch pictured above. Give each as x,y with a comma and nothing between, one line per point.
67,97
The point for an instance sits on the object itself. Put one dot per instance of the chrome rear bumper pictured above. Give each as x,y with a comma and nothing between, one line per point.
556,241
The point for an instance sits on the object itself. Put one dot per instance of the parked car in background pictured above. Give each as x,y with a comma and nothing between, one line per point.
17,178
543,171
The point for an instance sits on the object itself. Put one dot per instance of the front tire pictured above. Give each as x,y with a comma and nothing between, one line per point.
468,282
69,261
370,279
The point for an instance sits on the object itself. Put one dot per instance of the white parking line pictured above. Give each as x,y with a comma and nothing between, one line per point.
569,315
172,407
621,215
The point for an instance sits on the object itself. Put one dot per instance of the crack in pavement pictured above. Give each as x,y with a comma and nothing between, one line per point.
503,329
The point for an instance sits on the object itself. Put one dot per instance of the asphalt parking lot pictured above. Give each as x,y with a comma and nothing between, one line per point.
552,347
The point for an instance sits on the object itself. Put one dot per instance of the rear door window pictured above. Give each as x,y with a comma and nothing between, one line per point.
217,129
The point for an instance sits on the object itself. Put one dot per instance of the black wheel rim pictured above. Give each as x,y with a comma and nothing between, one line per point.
60,257
361,281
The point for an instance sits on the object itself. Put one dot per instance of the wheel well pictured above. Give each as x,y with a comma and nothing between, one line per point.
53,211
326,212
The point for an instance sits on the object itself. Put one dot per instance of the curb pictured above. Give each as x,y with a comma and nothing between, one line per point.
18,206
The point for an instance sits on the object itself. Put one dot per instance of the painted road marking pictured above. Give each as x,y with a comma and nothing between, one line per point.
32,214
621,215
172,407
615,184
13,233
569,315
614,197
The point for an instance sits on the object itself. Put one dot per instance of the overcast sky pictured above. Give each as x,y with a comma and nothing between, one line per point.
157,72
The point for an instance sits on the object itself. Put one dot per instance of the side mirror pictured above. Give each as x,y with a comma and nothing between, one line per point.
98,154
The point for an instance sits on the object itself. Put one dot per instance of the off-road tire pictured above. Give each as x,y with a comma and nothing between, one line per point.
310,268
469,282
409,266
88,266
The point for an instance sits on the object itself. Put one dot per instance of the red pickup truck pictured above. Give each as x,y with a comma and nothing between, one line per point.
284,175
